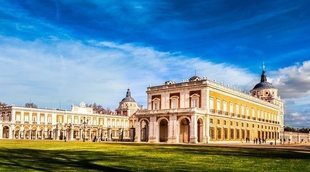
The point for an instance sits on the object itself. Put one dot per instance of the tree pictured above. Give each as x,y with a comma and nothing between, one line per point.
302,130
99,109
2,104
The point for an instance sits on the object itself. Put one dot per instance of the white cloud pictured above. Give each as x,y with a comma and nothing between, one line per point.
293,81
55,71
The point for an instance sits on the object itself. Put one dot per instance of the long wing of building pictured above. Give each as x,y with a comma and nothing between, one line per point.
194,111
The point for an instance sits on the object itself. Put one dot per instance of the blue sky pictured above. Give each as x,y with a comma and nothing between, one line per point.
56,53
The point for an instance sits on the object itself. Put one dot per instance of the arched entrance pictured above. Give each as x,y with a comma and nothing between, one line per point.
184,131
144,125
199,130
5,132
163,130
16,134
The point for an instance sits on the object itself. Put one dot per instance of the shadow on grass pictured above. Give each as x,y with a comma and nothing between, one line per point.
119,160
55,160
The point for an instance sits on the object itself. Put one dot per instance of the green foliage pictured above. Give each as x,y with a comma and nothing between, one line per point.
301,130
21,155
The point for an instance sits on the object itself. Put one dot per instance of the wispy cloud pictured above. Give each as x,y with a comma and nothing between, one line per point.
73,71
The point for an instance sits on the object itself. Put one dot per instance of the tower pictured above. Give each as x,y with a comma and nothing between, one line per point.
128,106
266,91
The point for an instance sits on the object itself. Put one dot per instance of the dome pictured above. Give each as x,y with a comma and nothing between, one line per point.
263,85
263,82
194,78
128,97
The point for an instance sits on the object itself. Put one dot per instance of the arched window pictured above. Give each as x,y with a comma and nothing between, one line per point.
195,100
156,104
174,102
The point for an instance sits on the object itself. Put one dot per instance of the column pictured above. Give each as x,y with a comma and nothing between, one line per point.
186,100
171,129
22,116
38,118
193,129
138,132
71,133
11,132
1,131
208,101
13,116
205,129
152,129
30,118
80,134
45,119
36,136
58,134
203,98
228,132
30,133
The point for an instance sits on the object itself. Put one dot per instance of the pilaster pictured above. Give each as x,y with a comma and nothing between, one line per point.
193,129
171,129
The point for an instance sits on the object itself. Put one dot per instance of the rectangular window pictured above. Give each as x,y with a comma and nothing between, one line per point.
27,118
42,118
231,108
211,103
17,117
218,106
49,118
232,134
194,102
238,133
224,106
219,133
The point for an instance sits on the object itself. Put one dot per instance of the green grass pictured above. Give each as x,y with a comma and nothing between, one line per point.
20,155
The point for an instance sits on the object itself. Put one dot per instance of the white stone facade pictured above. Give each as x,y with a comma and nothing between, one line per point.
81,123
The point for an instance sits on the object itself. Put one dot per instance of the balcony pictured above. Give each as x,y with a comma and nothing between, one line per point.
219,112
232,114
212,110
226,113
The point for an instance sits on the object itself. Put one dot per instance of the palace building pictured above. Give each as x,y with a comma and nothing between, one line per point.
80,123
203,111
194,111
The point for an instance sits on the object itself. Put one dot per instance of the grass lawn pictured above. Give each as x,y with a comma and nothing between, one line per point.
21,155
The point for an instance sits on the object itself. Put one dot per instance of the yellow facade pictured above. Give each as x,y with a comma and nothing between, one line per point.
255,121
